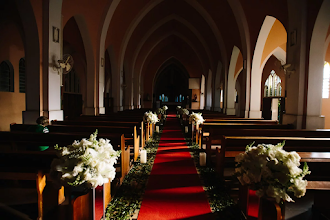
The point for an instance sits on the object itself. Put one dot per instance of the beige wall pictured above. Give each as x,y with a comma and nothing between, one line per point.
12,49
326,102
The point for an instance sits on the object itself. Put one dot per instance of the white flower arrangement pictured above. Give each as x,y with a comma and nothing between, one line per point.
272,171
183,111
160,111
164,108
88,161
150,117
196,118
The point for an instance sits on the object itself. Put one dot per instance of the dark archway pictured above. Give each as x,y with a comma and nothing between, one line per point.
171,85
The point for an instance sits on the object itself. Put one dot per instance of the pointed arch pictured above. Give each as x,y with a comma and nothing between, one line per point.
217,88
90,103
234,70
264,48
32,59
316,64
104,30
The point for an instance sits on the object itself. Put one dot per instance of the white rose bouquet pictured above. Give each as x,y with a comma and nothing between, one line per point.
150,117
196,118
160,111
88,161
183,111
272,171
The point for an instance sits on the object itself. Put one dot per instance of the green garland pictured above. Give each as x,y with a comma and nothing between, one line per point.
222,205
129,196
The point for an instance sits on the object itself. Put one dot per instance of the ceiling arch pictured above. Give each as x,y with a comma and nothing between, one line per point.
162,22
184,41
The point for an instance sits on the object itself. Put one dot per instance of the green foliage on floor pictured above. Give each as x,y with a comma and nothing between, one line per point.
129,196
221,203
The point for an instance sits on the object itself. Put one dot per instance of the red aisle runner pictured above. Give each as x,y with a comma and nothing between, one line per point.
174,190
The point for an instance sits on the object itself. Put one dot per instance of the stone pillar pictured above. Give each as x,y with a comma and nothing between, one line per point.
296,56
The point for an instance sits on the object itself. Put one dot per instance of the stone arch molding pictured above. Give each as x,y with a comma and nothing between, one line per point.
90,106
258,65
32,60
232,77
316,65
190,44
136,74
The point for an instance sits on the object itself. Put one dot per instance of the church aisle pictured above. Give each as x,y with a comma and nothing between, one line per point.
174,190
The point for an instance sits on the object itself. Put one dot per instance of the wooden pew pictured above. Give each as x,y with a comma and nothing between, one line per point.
140,127
89,129
315,151
206,127
238,144
33,166
318,182
214,135
49,139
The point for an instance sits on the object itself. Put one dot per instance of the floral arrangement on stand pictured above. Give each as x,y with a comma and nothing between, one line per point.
151,117
196,118
89,161
272,171
164,109
178,108
159,111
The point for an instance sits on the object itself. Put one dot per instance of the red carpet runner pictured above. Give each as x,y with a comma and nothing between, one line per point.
174,190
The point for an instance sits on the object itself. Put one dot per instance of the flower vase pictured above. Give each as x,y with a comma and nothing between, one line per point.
269,209
79,190
81,202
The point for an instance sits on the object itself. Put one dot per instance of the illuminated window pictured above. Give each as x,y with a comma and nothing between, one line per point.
326,78
273,85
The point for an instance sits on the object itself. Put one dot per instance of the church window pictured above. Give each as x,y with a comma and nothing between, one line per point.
6,76
273,85
326,80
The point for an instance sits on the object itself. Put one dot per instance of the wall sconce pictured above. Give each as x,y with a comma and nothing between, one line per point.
56,35
288,69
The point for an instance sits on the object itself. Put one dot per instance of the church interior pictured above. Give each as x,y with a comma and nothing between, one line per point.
235,59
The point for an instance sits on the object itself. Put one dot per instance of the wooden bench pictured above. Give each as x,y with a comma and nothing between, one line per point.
214,136
205,128
51,139
132,138
35,167
315,151
140,127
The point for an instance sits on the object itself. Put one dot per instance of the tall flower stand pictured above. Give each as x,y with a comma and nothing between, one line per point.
82,204
269,209
88,204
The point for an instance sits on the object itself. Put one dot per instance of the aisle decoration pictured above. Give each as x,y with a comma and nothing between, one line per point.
164,109
89,162
196,118
272,171
151,117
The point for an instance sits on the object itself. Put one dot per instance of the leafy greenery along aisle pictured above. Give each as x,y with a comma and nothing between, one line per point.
220,201
128,198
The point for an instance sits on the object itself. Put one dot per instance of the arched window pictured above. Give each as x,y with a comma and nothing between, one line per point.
6,76
326,80
273,85
22,75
